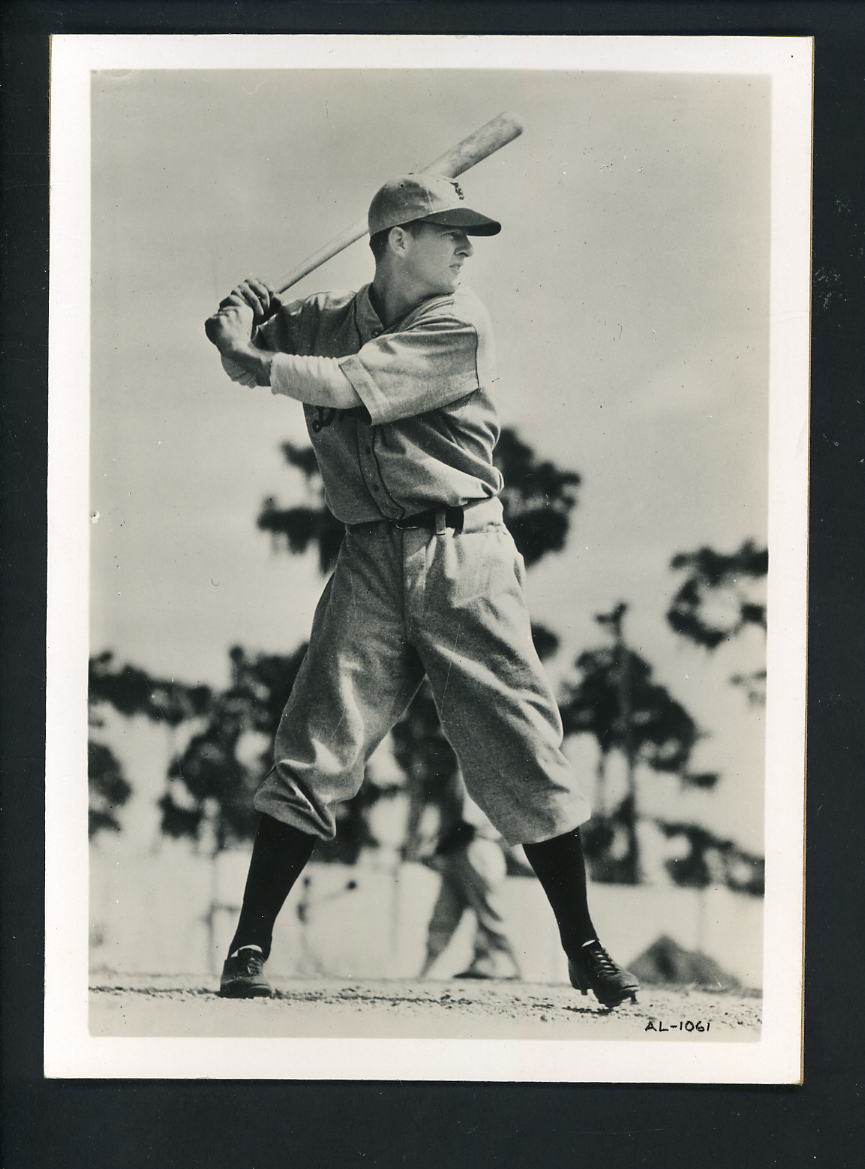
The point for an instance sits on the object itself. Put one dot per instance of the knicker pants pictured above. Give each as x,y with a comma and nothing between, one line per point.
402,603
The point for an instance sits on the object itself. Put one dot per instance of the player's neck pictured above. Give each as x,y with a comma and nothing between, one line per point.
393,298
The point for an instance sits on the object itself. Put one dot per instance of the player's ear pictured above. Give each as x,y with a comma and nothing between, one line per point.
398,240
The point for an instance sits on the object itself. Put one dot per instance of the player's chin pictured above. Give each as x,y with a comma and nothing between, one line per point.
444,285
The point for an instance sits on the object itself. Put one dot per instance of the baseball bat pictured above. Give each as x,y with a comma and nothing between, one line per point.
486,140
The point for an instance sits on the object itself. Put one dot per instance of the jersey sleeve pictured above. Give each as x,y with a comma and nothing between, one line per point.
283,332
443,354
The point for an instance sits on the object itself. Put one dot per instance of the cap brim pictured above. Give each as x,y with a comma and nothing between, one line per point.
472,222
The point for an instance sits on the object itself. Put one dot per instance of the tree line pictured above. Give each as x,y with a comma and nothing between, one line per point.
611,695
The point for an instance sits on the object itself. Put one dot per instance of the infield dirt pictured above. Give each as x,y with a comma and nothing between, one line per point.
185,1006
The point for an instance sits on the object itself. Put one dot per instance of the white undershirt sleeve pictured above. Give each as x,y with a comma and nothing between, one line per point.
237,373
317,381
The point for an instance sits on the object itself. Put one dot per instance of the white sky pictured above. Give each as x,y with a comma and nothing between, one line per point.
629,291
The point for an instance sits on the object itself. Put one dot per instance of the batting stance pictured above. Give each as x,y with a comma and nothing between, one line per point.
397,382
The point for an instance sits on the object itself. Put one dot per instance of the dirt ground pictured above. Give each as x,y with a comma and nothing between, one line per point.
184,1006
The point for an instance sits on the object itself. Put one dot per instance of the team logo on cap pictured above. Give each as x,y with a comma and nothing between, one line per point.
457,188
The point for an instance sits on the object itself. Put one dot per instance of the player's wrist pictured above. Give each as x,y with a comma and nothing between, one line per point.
256,361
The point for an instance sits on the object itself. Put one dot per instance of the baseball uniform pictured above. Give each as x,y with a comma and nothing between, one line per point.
397,384
441,595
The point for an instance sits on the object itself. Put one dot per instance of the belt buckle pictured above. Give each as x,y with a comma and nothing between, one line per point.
406,527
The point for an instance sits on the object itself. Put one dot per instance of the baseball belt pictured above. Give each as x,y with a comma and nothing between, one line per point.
433,519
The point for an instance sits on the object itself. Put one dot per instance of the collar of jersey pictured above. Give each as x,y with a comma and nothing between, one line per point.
370,324
368,321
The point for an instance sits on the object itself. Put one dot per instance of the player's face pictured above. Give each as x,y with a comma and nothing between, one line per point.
435,257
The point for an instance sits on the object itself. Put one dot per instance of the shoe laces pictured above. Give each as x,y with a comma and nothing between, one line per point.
600,959
250,960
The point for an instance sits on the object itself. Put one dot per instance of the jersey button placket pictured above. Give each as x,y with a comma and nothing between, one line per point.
368,466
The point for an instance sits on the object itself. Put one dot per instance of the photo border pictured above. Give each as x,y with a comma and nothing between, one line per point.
69,1049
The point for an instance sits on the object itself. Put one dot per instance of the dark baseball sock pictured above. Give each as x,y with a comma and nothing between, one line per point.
561,869
278,857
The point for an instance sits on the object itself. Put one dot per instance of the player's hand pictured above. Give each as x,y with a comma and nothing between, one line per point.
230,329
257,295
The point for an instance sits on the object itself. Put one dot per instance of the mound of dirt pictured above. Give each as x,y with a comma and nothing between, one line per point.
667,962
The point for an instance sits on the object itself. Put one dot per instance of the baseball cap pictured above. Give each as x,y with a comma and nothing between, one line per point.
428,197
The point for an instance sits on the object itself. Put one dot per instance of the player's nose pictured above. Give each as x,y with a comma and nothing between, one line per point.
464,247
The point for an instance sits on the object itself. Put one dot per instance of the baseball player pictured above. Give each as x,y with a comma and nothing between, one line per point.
470,861
397,384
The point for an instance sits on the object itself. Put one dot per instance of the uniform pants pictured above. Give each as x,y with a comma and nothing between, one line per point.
402,603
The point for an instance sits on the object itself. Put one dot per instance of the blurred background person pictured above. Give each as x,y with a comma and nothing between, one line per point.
469,856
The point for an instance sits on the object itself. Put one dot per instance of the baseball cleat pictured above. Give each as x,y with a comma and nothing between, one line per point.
243,976
592,969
